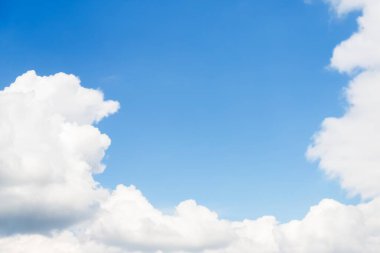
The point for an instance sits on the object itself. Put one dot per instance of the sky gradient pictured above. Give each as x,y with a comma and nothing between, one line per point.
190,126
219,99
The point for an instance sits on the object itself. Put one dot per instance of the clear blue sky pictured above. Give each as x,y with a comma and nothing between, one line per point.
219,97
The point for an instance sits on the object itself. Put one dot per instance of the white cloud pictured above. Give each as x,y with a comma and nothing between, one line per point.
65,242
342,7
348,147
50,149
361,50
331,227
127,223
128,219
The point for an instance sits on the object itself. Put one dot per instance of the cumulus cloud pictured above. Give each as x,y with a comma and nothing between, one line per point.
329,227
128,219
361,51
348,148
342,7
333,227
50,149
65,242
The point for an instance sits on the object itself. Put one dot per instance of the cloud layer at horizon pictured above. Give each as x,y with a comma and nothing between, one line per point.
50,149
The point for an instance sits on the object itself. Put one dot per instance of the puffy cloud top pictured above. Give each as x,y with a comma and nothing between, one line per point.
129,220
348,147
49,151
62,94
361,50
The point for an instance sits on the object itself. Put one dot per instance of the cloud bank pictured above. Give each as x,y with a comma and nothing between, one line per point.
50,149
348,148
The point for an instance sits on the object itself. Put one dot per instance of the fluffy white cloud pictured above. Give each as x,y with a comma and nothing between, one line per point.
342,7
128,219
348,147
361,50
49,151
329,227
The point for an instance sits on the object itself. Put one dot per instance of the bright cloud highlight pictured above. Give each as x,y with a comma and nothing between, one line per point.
49,151
348,147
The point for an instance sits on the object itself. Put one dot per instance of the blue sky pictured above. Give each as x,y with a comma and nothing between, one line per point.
219,99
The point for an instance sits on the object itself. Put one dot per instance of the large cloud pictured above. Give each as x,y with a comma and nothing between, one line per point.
50,149
349,147
334,228
128,219
329,227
